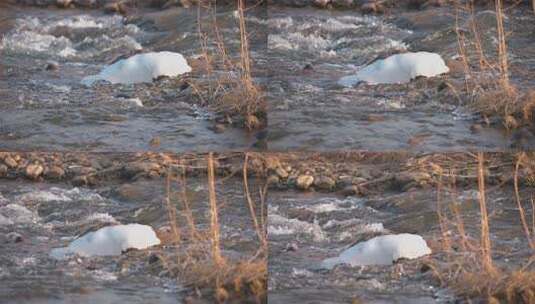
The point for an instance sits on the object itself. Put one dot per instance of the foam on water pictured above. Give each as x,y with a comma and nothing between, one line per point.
346,36
64,38
280,225
59,195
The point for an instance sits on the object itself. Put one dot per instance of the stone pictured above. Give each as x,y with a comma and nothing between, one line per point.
132,169
219,128
281,173
304,181
52,66
324,183
33,171
10,162
3,170
155,141
54,172
273,180
14,237
63,3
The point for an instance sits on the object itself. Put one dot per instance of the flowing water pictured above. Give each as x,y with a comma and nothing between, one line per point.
48,215
312,49
49,109
305,228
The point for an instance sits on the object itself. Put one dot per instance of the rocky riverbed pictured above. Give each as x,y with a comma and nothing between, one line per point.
43,209
349,198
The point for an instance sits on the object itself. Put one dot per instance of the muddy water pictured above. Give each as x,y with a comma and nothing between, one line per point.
50,110
305,228
312,49
50,215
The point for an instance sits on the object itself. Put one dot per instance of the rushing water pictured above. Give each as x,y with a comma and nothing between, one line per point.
49,109
312,49
47,216
306,228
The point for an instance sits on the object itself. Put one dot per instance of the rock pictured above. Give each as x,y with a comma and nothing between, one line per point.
219,128
3,170
273,180
85,3
476,128
322,3
10,162
54,172
14,237
349,191
52,66
304,182
116,7
291,247
272,163
372,8
63,3
132,169
155,141
324,183
33,171
281,173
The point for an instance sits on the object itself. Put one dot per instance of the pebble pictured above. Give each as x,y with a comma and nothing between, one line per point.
324,183
304,182
273,180
281,173
33,171
10,162
14,237
54,172
3,170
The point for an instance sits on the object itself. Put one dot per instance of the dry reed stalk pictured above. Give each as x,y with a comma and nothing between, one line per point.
171,210
214,219
519,203
502,47
194,234
260,231
485,233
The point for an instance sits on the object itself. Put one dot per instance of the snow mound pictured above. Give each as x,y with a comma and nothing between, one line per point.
400,68
142,68
381,250
111,240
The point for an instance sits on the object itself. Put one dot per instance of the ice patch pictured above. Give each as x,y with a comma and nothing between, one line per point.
142,68
400,68
111,240
381,250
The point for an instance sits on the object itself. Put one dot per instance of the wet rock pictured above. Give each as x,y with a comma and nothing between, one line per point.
322,3
272,162
155,141
372,8
84,180
291,247
281,173
304,182
33,171
154,258
3,170
85,3
476,128
54,172
132,169
14,237
349,191
116,7
219,128
52,66
324,183
273,180
10,162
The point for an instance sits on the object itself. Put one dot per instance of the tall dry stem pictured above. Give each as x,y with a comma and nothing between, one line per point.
485,233
260,231
519,202
214,218
502,46
171,210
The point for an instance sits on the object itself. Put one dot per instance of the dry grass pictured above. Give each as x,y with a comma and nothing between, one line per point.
488,86
230,88
469,268
199,261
